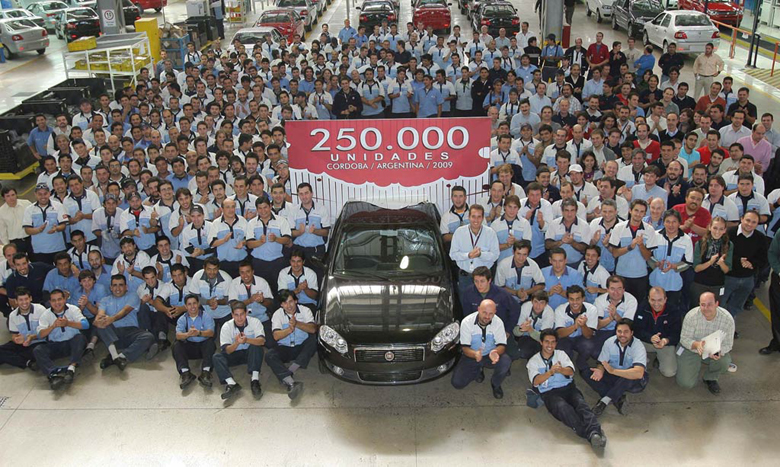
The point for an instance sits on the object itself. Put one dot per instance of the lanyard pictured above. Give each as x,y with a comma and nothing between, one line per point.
587,273
474,240
296,279
622,351
248,288
307,212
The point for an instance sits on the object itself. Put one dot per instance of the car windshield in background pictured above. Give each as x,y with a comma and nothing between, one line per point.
15,14
20,25
291,3
250,37
84,13
647,8
692,20
54,6
376,7
499,11
268,19
373,250
431,2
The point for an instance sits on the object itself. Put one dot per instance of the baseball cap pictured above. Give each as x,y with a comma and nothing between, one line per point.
133,195
575,168
41,186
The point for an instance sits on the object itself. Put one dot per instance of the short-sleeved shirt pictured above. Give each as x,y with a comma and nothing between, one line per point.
289,281
596,277
108,225
451,220
220,229
516,277
238,290
53,214
65,333
317,216
130,221
632,264
192,237
623,358
281,321
256,228
202,322
565,317
626,308
701,218
26,324
201,286
252,329
54,280
476,337
675,250
569,277
579,229
725,208
544,320
537,239
112,305
87,203
537,365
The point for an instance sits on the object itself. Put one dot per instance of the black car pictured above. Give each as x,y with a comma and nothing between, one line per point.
74,23
373,13
386,309
131,12
496,15
632,15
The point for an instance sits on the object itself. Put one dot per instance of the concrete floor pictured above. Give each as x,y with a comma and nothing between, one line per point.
141,417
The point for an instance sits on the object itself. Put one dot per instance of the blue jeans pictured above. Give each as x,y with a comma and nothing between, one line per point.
737,290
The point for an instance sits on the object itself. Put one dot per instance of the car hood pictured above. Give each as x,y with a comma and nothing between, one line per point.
721,7
368,311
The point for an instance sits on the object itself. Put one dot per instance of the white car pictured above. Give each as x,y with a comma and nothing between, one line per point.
690,30
602,8
250,36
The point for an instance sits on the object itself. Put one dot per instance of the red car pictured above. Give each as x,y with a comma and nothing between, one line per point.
718,10
434,13
156,5
288,22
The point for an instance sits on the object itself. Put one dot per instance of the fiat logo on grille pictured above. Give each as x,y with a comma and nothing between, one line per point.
389,356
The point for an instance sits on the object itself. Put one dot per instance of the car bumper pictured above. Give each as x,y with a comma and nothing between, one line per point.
389,374
606,10
733,20
689,47
510,30
27,46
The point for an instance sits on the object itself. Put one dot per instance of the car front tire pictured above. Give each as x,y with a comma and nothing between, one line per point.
41,51
614,23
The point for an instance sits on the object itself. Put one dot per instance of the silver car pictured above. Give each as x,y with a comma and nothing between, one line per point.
22,35
250,36
690,30
49,11
20,13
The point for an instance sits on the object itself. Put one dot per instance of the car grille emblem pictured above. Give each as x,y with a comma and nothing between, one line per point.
389,356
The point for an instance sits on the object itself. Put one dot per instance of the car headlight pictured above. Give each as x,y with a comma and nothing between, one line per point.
333,339
445,337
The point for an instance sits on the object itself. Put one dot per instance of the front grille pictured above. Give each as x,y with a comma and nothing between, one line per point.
403,377
400,355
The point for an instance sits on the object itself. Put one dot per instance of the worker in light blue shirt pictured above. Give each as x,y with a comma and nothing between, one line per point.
558,277
347,32
428,101
194,339
61,327
39,137
44,221
622,368
473,245
649,189
62,276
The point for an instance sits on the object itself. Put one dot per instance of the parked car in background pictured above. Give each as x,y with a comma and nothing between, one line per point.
434,13
602,9
496,15
82,3
74,23
49,11
387,313
248,37
22,35
632,15
690,30
288,22
19,13
131,13
320,4
372,13
305,8
719,10
156,5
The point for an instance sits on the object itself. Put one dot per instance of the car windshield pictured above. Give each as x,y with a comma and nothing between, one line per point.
291,3
379,7
275,18
54,6
250,37
647,8
401,250
430,3
15,14
82,13
692,20
20,25
502,11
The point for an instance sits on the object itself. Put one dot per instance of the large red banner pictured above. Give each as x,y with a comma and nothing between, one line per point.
408,152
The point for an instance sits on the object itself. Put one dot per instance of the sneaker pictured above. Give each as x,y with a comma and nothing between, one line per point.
599,408
481,376
185,379
230,391
294,390
32,365
732,367
121,363
56,382
106,362
88,356
712,386
498,393
257,390
205,379
154,349
622,405
68,376
598,440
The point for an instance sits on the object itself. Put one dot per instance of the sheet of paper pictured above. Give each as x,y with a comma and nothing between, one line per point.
712,344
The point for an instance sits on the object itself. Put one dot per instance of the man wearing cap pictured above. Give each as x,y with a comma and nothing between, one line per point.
44,221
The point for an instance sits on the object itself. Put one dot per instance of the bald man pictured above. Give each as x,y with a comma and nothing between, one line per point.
483,343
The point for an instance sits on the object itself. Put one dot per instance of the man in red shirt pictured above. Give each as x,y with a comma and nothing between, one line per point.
651,147
695,218
598,53
710,99
712,142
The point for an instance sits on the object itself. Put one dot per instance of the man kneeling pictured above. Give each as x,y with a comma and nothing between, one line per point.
242,340
551,372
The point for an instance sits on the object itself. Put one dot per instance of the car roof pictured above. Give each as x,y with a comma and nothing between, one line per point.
684,12
277,11
363,211
9,20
